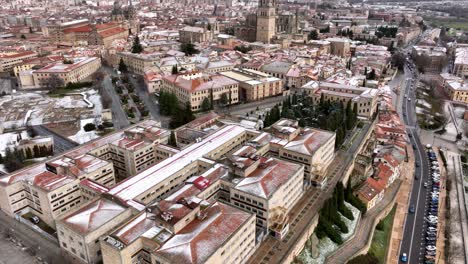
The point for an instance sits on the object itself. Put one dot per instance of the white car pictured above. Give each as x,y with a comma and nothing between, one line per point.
432,229
431,248
409,99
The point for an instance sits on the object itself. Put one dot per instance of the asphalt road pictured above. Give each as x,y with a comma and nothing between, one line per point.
45,248
147,99
413,243
119,117
61,144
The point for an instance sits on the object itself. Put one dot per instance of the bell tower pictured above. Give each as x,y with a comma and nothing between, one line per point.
134,22
266,20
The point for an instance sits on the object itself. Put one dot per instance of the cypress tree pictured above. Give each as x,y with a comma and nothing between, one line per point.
172,140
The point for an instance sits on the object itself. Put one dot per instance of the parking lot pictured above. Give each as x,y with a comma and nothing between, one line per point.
431,208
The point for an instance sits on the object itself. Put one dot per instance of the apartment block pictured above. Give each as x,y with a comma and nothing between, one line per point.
212,232
57,186
79,233
267,187
9,60
134,151
51,189
364,98
77,70
435,58
460,65
138,63
455,87
255,85
314,148
195,87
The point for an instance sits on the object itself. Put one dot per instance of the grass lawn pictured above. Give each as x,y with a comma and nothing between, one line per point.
42,225
381,238
59,92
451,22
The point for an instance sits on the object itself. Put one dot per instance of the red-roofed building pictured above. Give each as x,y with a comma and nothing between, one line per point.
267,187
196,87
91,34
204,238
9,60
80,231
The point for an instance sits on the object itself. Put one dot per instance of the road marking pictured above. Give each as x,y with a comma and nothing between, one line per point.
419,189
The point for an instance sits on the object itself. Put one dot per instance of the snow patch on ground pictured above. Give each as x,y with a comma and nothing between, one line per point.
424,103
82,136
2,169
351,224
420,110
70,102
325,246
95,98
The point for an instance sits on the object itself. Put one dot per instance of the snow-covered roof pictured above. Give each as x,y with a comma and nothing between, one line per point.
269,176
93,215
140,183
309,141
204,236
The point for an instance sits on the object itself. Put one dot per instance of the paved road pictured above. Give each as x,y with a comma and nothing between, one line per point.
148,99
119,117
48,250
61,143
364,229
414,226
273,250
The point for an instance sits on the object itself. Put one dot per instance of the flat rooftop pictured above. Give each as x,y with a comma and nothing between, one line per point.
140,183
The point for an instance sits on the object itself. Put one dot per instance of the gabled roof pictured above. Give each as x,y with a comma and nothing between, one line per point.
93,215
270,175
309,141
203,236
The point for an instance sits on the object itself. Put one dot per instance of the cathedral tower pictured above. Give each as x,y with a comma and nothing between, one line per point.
266,20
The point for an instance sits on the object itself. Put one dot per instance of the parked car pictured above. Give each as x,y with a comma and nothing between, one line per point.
35,219
404,257
431,248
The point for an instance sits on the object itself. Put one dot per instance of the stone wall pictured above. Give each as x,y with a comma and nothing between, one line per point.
299,246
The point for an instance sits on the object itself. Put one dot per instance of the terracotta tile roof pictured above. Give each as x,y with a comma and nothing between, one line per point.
111,32
270,175
196,242
80,29
50,181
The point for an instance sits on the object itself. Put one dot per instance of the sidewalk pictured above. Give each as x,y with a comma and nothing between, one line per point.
458,219
407,179
365,229
440,244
